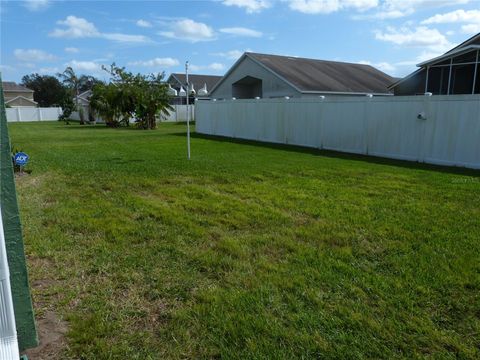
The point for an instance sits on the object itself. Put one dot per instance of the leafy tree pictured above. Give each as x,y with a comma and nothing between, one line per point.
127,95
48,90
68,106
106,102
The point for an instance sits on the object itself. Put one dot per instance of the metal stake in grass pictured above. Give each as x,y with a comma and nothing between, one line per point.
188,113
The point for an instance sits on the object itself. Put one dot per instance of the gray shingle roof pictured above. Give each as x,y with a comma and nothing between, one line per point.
198,80
328,76
12,86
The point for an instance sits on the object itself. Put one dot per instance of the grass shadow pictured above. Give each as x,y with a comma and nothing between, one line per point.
341,155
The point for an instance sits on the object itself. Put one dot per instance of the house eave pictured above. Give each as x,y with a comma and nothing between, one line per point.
19,91
449,55
405,78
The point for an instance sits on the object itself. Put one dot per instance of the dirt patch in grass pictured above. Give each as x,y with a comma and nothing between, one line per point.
51,328
51,332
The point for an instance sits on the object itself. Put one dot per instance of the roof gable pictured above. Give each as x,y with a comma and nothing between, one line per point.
21,98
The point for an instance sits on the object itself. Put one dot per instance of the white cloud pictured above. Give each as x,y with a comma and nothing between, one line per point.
471,28
28,65
6,67
330,6
421,36
189,30
127,38
49,70
457,16
215,67
88,66
71,49
251,6
423,56
382,66
33,55
232,54
241,31
144,23
157,62
76,27
36,5
393,9
470,19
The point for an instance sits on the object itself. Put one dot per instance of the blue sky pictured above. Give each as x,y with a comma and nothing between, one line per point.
153,36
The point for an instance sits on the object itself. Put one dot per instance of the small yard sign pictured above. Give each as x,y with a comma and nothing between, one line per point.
21,159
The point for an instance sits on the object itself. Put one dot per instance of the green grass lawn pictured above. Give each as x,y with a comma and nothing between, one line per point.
248,251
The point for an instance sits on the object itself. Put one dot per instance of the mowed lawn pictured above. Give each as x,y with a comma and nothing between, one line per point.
248,251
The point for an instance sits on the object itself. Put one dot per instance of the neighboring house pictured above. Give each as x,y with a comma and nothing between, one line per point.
83,98
83,102
199,85
17,95
273,76
455,72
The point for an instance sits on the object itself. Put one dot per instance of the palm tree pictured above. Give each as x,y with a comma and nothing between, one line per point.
71,80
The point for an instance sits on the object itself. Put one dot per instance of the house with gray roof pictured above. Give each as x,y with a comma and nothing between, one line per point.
17,95
270,76
199,85
455,72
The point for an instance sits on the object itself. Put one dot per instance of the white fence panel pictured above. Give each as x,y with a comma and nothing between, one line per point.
393,128
179,114
455,131
343,128
441,130
32,114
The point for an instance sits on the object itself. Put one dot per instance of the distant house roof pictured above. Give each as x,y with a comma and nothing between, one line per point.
321,76
198,81
12,86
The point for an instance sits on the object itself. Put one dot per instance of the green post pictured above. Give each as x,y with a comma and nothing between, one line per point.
22,302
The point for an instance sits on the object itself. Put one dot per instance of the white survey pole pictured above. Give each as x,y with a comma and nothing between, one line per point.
188,112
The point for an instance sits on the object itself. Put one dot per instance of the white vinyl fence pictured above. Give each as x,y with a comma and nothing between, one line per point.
33,114
179,114
441,130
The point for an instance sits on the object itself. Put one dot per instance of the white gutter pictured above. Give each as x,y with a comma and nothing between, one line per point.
344,93
8,332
